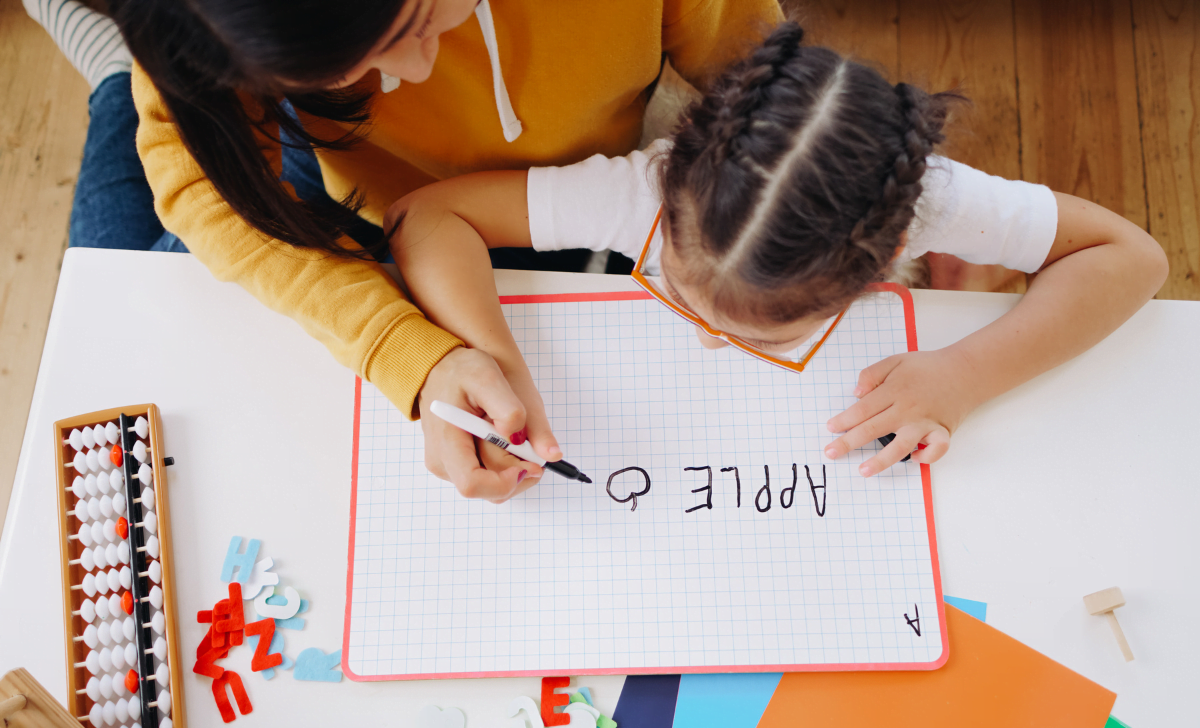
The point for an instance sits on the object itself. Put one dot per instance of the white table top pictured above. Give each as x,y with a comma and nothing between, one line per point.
1072,483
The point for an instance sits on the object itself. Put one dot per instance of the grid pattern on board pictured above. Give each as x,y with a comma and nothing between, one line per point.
564,577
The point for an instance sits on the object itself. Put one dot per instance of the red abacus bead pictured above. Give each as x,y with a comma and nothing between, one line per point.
127,602
115,456
122,527
131,681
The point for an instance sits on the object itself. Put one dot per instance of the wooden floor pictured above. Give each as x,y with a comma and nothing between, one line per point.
1097,98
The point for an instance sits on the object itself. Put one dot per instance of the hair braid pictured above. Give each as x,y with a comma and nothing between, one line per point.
924,116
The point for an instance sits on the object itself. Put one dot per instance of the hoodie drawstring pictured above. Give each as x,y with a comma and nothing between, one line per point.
509,122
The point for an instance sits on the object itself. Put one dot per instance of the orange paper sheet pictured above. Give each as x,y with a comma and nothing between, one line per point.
990,681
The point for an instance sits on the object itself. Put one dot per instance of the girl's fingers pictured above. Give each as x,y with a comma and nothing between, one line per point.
858,413
876,427
462,466
905,442
538,432
937,444
873,376
497,460
490,392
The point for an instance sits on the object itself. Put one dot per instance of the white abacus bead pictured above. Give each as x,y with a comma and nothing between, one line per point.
89,585
163,674
118,503
80,462
118,663
122,706
148,498
103,483
93,688
141,427
152,546
106,508
102,607
96,715
92,461
99,436
112,432
129,627
155,572
151,522
139,451
84,534
98,557
123,551
158,623
93,508
160,648
164,723
91,484
87,610
97,532
89,438
131,651
106,661
126,577
111,556
114,605
102,583
110,530
117,480
81,511
91,636
106,683
87,560
114,580
104,455
79,487
164,701
103,635
110,713
93,663
135,706
146,474
156,597
75,439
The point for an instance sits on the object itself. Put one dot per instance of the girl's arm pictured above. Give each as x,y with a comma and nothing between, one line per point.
441,249
1100,270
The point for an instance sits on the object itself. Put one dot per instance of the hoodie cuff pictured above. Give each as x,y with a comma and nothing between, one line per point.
401,360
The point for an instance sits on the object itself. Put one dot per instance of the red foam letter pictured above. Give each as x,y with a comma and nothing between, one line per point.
552,700
265,629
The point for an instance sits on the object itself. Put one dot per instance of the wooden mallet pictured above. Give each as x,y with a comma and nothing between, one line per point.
1104,602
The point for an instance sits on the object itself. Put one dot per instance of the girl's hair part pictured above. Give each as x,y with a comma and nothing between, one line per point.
791,183
224,69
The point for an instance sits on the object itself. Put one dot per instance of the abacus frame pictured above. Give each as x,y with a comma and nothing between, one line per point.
73,574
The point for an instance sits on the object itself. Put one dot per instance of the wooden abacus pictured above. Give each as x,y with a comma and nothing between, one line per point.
123,666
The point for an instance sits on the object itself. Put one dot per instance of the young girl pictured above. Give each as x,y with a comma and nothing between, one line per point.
797,181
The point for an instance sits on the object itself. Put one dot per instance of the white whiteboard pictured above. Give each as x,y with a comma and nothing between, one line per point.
564,579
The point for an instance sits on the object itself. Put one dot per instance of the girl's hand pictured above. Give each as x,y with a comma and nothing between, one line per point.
922,396
471,380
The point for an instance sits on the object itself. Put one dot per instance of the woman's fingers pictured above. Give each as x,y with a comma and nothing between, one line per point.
490,392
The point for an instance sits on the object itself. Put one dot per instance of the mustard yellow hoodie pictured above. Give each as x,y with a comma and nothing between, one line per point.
576,71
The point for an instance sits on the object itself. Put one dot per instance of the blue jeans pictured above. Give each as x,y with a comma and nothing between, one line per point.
114,207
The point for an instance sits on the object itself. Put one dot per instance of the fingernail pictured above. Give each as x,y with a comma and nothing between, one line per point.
518,438
865,470
521,475
831,452
829,426
858,391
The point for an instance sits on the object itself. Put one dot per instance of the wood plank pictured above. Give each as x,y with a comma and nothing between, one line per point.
967,45
1078,101
1168,65
867,30
43,122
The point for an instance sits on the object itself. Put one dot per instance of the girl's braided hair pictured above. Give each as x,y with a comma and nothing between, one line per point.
790,183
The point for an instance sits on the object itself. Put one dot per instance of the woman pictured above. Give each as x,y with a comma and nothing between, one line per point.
209,89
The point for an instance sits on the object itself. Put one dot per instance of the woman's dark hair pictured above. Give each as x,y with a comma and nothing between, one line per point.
790,183
224,67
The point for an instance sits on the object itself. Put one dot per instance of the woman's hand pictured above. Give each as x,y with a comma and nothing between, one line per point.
922,396
471,380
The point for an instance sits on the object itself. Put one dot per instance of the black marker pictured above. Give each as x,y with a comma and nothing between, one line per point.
887,440
484,431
